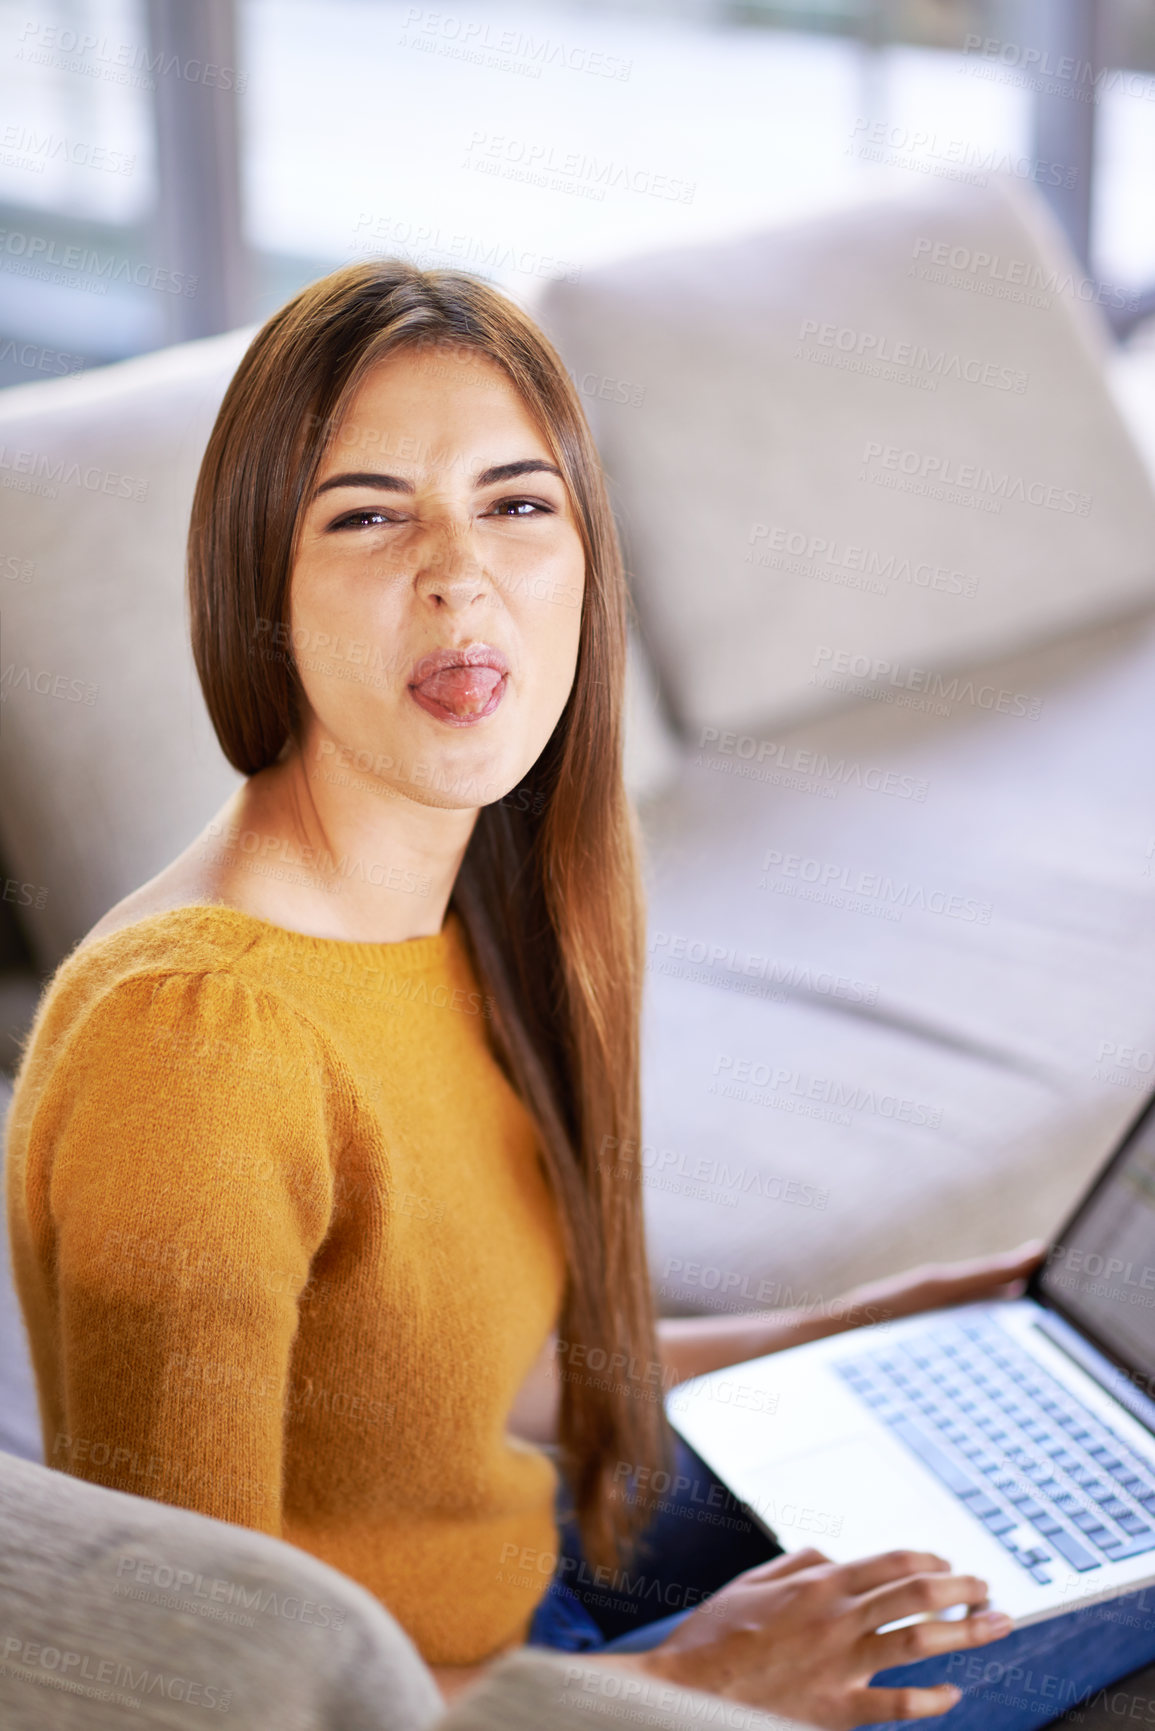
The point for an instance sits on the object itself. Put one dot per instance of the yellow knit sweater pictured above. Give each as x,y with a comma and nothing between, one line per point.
286,1252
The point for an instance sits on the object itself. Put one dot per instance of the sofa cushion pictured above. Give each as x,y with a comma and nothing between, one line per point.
899,1000
859,449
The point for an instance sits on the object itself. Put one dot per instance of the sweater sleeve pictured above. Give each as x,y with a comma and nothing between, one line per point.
183,1150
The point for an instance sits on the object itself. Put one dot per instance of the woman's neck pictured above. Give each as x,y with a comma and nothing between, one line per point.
315,846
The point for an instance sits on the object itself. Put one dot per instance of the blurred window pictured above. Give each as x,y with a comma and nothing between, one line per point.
520,141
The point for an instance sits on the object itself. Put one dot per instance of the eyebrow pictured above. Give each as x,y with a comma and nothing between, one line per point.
397,484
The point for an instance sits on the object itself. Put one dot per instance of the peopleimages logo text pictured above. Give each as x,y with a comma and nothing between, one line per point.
876,673
478,38
903,353
39,250
849,556
965,160
125,62
1039,69
974,478
1019,273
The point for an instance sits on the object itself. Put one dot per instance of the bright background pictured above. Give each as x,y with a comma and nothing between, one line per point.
362,125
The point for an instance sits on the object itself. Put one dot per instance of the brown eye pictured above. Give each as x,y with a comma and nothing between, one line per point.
369,518
520,507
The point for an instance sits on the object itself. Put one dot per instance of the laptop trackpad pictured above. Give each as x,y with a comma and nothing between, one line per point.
857,1496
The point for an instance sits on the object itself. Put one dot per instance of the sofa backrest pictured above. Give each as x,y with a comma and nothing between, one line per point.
108,762
856,450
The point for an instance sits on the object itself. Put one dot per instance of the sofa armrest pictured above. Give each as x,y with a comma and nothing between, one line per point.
533,1689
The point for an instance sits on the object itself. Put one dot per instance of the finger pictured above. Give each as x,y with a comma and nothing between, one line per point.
1012,1289
875,1706
923,1640
1026,1254
788,1564
944,1292
920,1593
1007,1265
868,1572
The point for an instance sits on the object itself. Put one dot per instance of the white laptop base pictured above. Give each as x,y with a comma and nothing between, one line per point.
792,1440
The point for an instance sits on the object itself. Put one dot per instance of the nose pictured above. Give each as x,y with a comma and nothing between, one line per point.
450,572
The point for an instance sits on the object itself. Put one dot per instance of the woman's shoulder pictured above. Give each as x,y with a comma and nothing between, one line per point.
161,966
151,934
195,902
186,918
160,1015
157,1033
180,894
171,987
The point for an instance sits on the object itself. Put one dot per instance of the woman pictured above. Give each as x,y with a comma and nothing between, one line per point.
306,1153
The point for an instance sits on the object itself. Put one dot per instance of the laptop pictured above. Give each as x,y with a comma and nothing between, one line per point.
1015,1438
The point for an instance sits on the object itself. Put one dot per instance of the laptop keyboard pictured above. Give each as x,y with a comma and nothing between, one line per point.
1043,1474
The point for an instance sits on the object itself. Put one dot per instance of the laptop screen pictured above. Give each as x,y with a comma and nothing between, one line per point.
1102,1274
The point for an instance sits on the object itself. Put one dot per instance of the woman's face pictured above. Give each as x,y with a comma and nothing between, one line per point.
439,531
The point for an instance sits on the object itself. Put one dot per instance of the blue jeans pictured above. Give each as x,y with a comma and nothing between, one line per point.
698,1540
701,1538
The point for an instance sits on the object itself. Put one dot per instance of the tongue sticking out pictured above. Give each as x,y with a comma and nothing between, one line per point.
462,690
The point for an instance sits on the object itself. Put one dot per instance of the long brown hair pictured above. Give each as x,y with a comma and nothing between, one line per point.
549,891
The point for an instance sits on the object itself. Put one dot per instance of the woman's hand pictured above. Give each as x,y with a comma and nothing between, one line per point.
693,1345
798,1636
935,1285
